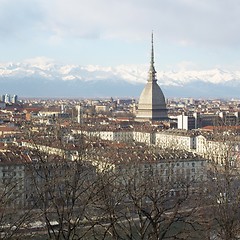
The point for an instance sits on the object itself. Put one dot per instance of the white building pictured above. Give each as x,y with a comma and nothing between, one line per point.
143,137
219,150
178,139
182,122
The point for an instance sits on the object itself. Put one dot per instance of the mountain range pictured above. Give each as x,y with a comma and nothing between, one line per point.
41,78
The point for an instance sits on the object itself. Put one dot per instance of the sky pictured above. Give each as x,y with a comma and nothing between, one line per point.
188,34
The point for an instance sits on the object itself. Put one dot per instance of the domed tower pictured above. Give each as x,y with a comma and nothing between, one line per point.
152,105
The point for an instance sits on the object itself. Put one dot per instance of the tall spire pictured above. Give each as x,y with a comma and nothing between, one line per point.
152,71
152,56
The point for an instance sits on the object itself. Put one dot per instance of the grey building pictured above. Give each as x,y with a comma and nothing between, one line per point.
152,104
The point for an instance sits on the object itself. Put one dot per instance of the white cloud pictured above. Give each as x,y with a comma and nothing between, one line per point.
181,21
184,29
20,17
185,22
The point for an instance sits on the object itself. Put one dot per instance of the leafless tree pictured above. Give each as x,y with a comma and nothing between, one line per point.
62,185
139,201
13,215
221,215
79,189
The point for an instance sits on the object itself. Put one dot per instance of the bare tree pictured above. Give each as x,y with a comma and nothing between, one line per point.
222,199
59,182
13,214
79,189
141,200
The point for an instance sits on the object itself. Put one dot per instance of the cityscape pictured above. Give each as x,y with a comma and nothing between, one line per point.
119,120
146,168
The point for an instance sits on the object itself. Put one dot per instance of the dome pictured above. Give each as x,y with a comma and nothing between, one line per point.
152,105
152,95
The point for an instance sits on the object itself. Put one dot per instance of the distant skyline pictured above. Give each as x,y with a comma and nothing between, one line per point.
188,34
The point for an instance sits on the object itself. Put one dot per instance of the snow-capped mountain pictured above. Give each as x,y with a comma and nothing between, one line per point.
43,77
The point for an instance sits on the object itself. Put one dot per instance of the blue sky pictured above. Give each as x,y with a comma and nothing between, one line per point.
188,34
